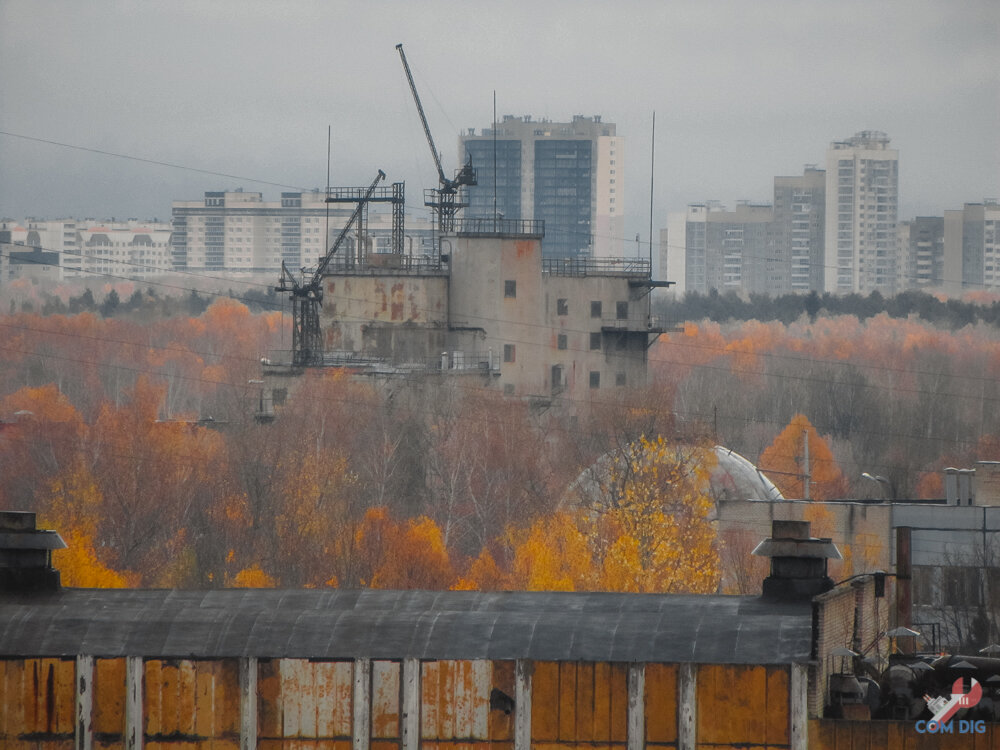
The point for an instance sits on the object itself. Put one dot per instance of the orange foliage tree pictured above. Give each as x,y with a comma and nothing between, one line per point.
786,458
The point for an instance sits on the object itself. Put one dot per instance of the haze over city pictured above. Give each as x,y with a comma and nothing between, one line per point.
741,92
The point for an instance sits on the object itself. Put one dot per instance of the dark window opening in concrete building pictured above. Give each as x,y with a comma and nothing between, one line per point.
561,341
621,310
510,288
595,341
509,352
595,309
595,379
562,307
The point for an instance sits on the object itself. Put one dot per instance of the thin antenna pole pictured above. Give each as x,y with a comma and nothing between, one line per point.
494,157
652,173
326,230
652,164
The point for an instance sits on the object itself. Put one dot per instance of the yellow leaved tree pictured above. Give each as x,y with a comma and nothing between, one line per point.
657,534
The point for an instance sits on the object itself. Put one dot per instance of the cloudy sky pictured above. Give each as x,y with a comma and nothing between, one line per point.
742,91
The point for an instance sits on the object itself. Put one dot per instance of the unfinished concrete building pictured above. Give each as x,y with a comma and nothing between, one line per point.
491,308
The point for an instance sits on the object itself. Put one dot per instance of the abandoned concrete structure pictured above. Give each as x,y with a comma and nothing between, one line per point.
492,308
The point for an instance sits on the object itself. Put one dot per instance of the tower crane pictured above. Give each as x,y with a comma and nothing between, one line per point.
443,198
307,297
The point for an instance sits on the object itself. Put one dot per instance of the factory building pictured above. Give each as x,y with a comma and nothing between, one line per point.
82,668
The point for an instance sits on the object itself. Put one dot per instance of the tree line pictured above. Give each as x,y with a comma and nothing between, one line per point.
104,432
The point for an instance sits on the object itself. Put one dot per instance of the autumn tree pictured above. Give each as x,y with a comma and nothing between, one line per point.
656,532
785,461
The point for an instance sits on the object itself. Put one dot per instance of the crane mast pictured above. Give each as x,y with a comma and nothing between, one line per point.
444,200
307,297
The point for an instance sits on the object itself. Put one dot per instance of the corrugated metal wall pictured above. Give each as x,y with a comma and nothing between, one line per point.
298,704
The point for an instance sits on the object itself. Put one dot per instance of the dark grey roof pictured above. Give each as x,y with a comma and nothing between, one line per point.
335,624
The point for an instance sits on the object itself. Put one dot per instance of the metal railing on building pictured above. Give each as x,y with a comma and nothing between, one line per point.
631,267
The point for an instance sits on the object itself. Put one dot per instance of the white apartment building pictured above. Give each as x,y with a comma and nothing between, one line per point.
862,196
571,175
133,249
63,249
240,232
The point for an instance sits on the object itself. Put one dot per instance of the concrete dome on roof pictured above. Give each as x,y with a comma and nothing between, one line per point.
733,478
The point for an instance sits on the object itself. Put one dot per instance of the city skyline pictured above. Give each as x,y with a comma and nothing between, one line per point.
740,96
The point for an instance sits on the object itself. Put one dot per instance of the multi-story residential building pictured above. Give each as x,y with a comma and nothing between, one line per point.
568,174
62,249
921,243
972,247
134,250
862,193
796,260
239,231
725,250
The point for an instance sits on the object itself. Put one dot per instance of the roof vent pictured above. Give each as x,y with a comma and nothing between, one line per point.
26,554
798,561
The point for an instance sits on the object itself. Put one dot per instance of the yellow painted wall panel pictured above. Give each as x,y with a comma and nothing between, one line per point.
661,703
619,702
109,696
152,698
585,702
169,697
204,699
185,698
567,701
732,704
501,724
602,702
776,706
545,702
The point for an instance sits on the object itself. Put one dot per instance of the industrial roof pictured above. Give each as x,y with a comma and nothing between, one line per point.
341,624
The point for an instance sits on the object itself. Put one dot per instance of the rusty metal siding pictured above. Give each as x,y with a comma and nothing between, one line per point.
455,701
37,703
300,702
385,700
191,704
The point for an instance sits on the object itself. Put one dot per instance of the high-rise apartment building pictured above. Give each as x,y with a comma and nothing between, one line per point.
568,174
796,261
862,193
241,232
972,247
921,243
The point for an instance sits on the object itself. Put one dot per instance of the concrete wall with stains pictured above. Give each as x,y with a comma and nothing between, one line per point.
402,318
619,359
496,286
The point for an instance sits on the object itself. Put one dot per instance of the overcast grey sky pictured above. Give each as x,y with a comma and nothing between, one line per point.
742,91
